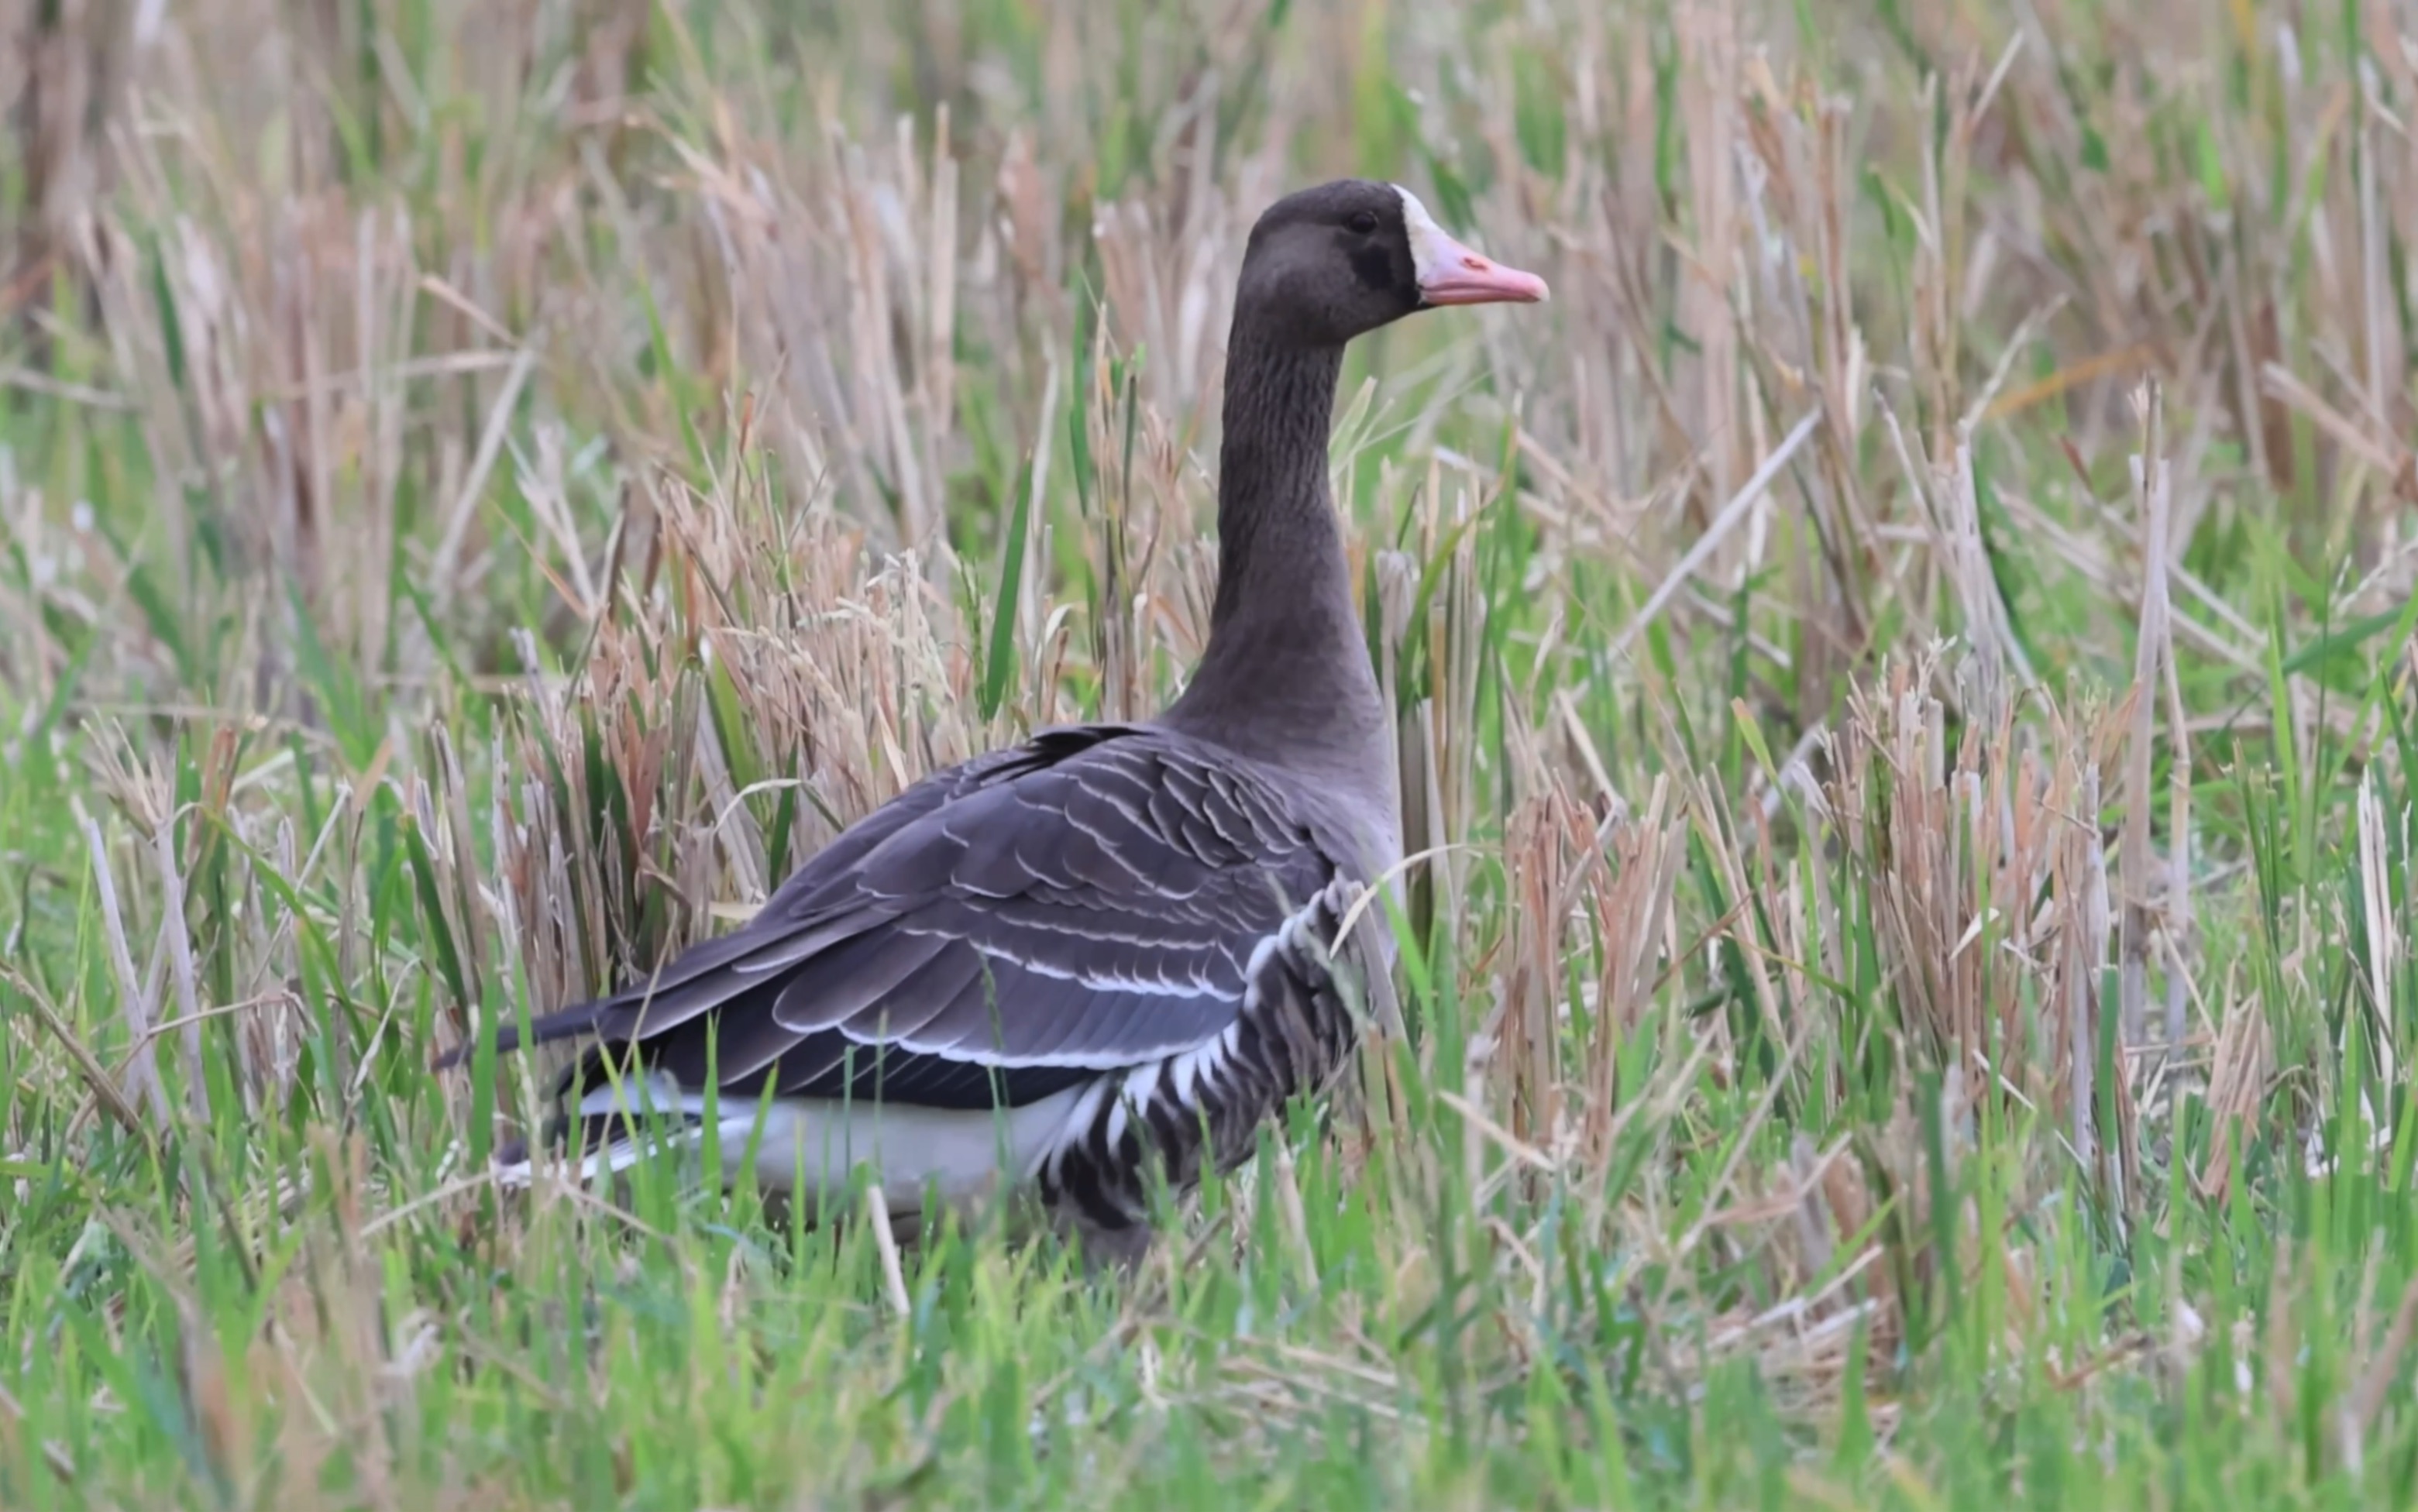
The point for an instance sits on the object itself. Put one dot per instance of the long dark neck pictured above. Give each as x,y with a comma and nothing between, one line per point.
1286,676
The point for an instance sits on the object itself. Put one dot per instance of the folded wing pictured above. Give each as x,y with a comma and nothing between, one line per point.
1088,901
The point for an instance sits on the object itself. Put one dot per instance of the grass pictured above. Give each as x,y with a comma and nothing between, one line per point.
1904,673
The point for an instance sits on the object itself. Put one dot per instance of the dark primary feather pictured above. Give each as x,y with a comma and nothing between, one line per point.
1083,903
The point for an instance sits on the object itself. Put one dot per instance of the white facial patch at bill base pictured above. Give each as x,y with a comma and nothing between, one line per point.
1432,249
1449,272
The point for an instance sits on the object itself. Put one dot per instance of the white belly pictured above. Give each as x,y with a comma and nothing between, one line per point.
811,1147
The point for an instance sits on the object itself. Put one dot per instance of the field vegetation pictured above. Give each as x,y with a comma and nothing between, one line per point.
1905,669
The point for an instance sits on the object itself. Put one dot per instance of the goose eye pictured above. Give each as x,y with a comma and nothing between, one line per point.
1362,222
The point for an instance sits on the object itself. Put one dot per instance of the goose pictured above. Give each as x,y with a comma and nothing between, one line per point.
1111,946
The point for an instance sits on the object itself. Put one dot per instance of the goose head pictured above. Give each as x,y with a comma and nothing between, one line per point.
1329,263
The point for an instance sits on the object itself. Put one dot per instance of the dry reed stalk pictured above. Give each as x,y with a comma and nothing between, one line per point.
2386,949
2143,919
2237,1089
1709,35
1545,841
1632,904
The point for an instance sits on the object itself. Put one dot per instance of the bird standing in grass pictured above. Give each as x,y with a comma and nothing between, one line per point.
1113,946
